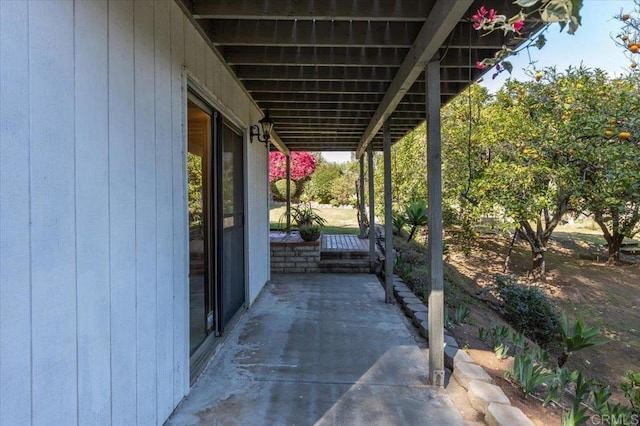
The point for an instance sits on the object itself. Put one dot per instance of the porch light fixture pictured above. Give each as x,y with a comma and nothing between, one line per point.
262,130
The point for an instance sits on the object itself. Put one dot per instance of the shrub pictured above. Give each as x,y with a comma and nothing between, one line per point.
279,189
320,186
343,190
631,388
529,310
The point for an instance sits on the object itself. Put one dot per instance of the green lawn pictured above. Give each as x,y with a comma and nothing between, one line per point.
339,221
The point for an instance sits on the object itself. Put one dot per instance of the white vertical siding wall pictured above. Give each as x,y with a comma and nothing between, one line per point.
15,204
93,217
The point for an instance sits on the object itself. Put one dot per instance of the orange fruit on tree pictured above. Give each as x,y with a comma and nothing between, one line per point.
608,133
625,17
634,48
633,65
625,37
630,44
613,121
538,75
624,135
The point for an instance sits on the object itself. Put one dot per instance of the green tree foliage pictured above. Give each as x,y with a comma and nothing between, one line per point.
562,143
319,187
343,190
526,175
333,183
408,171
609,157
542,149
194,172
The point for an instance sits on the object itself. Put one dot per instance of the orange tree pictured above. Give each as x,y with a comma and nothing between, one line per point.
465,148
628,38
527,174
609,188
563,143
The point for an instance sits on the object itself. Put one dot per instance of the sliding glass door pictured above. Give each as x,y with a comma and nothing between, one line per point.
200,122
232,224
215,174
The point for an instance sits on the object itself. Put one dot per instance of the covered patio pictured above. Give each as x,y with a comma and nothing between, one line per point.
357,76
318,349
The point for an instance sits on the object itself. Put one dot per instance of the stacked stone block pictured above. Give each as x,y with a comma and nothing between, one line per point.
294,257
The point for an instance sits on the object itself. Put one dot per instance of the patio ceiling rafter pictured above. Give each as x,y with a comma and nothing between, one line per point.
441,21
336,64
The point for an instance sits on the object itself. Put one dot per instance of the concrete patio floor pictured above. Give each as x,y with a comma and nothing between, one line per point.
318,349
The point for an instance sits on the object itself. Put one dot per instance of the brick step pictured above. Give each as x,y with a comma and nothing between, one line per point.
344,255
344,265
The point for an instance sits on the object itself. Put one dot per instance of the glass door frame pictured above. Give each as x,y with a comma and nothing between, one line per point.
220,114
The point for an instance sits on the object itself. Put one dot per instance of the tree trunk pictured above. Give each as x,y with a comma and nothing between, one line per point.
412,233
613,245
537,240
613,237
538,266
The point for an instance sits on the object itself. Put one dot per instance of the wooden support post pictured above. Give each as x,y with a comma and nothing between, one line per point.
388,229
372,215
434,246
361,198
288,172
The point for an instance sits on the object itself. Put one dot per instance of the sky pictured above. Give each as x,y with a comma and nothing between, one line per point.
591,46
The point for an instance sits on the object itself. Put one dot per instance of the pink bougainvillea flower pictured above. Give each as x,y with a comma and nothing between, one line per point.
482,11
518,25
303,165
478,18
480,65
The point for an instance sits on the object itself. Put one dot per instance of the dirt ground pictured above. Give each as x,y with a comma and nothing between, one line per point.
581,284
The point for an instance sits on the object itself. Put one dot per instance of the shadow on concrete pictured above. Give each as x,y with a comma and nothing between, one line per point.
318,349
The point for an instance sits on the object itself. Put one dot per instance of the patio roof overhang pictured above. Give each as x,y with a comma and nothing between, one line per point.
331,72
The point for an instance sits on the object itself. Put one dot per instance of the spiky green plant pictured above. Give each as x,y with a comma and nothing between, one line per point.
577,338
417,214
527,373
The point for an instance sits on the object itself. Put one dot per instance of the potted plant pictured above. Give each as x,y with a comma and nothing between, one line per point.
308,221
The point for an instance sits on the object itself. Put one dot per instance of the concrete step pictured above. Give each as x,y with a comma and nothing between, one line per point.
344,265
346,254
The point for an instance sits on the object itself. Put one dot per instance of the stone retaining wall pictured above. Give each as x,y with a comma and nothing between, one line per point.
295,256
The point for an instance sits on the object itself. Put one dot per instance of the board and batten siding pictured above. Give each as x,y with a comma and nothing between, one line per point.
93,207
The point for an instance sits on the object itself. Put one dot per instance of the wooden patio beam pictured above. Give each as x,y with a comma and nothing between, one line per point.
315,73
319,10
441,20
351,56
249,32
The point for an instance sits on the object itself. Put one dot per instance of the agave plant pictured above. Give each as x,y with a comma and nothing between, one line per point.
577,337
417,215
527,373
